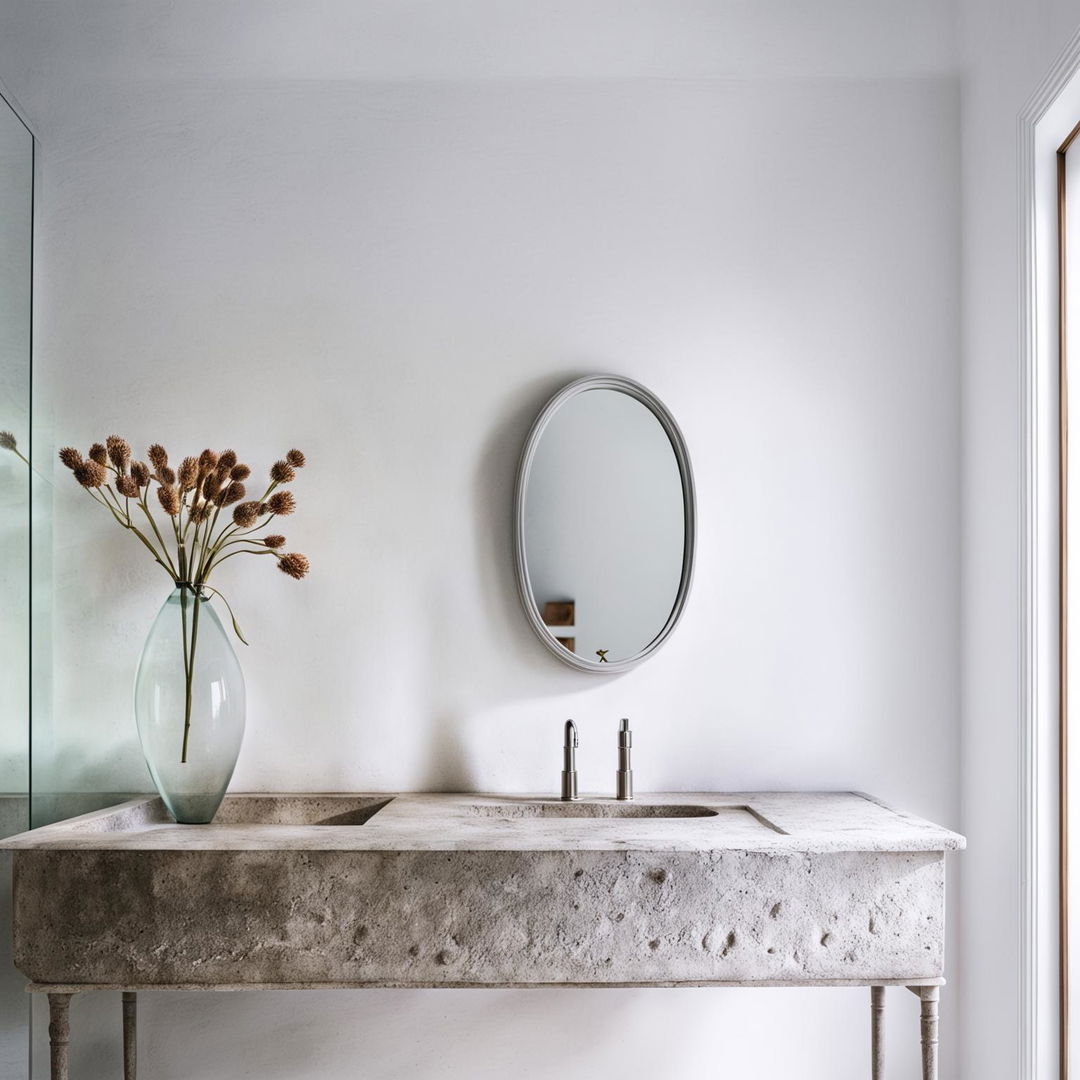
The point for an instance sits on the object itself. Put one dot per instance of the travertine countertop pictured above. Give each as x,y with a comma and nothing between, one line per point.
755,821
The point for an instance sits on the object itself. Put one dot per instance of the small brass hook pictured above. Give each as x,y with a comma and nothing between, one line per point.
602,653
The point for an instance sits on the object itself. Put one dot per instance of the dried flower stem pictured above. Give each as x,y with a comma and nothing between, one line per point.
126,523
153,524
235,625
189,669
248,551
231,530
189,665
241,538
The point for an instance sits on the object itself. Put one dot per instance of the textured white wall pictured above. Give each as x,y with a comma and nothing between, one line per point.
1010,46
394,275
394,278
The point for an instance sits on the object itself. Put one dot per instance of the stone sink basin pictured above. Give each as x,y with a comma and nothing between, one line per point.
485,890
294,810
356,810
566,811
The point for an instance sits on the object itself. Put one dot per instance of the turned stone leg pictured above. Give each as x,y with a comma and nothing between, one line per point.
929,995
877,1032
129,1035
59,1034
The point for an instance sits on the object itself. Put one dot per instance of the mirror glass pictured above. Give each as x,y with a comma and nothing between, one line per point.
16,224
605,518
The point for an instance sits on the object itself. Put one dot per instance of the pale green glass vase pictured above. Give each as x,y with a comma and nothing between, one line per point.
189,706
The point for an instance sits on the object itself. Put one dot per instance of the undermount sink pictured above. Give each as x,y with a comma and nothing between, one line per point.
587,810
591,810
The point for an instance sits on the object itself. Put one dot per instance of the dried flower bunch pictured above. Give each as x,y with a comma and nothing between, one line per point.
207,512
8,442
193,497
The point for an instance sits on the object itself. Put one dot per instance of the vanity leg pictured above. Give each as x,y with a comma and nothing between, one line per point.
929,995
877,1032
59,1035
129,1034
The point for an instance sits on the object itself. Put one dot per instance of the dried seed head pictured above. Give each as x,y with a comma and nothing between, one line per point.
227,460
7,441
294,564
90,474
282,502
211,485
98,453
231,494
165,475
274,540
201,512
71,457
158,458
119,452
169,499
127,487
189,473
140,473
246,514
281,472
207,461
239,472
296,459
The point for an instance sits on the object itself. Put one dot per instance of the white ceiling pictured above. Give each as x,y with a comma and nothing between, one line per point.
52,47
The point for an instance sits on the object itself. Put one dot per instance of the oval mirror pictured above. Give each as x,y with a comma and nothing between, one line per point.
604,524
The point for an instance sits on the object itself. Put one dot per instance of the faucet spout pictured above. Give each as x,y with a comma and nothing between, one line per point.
569,773
624,776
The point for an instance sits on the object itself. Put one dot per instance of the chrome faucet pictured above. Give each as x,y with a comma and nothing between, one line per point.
569,771
624,776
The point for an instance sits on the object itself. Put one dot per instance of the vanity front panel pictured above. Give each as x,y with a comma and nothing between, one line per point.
477,917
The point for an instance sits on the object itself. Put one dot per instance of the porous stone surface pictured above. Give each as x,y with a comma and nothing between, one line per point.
445,890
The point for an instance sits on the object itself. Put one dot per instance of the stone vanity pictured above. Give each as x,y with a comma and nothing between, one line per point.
441,890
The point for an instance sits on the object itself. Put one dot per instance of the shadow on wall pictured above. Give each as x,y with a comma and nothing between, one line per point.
381,1028
449,765
524,668
480,1034
538,671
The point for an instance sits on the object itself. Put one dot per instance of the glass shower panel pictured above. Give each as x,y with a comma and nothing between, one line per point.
16,247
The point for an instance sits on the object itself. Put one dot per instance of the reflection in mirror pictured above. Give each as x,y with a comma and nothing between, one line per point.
16,212
604,524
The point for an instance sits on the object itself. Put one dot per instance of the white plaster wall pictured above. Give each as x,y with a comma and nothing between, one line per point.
1009,47
393,275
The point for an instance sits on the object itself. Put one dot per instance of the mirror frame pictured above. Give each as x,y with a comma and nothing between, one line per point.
682,457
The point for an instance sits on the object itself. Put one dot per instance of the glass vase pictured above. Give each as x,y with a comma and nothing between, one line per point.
189,706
